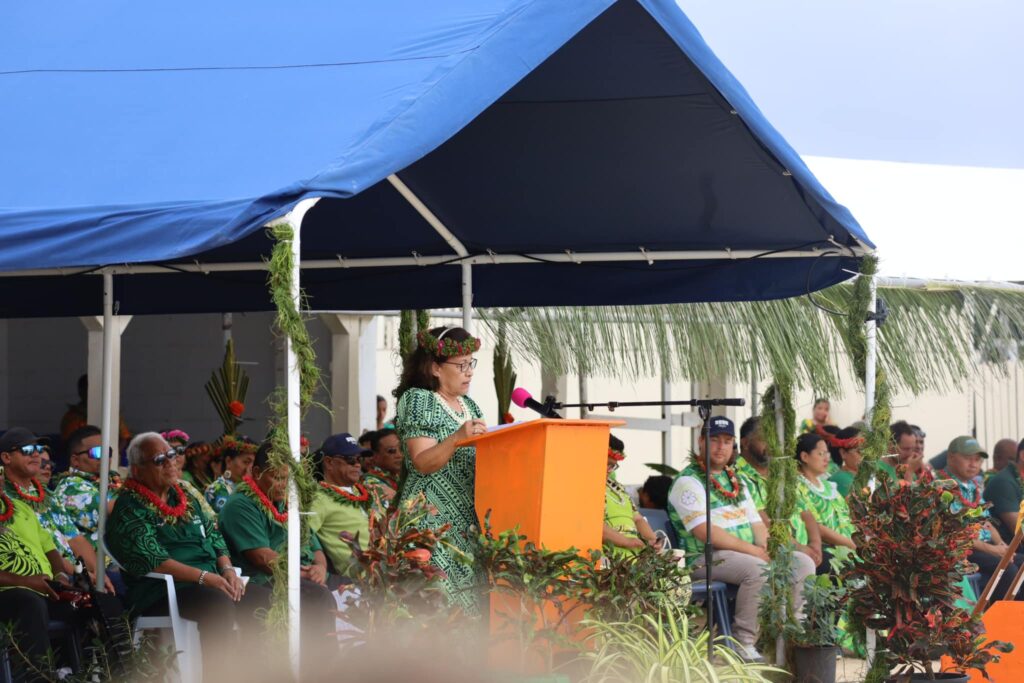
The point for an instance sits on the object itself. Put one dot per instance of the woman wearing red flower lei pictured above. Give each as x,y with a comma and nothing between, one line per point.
254,523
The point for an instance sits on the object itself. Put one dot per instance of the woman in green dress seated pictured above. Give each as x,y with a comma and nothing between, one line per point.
821,496
625,531
434,414
237,457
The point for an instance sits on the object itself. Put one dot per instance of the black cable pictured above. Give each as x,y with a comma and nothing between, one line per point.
807,287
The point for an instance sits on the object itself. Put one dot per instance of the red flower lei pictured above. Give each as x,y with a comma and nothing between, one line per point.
165,510
737,485
943,474
361,496
383,476
279,517
8,508
38,498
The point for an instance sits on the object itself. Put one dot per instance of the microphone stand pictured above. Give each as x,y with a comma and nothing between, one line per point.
703,406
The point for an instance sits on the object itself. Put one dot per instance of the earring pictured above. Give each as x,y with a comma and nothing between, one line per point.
227,474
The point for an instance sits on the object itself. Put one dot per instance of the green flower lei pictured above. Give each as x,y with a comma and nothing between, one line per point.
447,348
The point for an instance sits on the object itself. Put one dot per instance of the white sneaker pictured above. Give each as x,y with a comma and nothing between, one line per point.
749,653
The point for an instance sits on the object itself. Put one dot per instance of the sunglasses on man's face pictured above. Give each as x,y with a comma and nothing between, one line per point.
349,459
95,453
164,458
30,449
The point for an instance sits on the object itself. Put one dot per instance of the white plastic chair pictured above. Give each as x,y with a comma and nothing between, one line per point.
184,633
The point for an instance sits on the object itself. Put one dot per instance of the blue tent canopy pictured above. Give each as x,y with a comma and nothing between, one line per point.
583,153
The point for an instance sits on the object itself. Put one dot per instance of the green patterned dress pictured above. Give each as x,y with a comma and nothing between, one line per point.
422,413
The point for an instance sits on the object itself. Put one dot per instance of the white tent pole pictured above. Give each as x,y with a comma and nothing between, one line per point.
871,360
107,438
467,297
293,395
457,246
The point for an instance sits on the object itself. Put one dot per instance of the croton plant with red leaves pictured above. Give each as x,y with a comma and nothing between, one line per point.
905,582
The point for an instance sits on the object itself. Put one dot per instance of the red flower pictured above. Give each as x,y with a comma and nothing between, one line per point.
236,408
508,419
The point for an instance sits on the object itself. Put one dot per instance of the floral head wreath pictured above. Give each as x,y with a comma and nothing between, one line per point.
443,347
229,444
617,456
852,442
175,435
198,449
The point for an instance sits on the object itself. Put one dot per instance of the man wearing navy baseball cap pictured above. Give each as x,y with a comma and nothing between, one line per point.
738,534
342,501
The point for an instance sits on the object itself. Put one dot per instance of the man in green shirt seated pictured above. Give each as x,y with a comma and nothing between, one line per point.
342,501
1004,490
738,534
156,527
32,569
254,521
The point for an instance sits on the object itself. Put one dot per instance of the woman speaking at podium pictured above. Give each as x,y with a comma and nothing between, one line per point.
434,414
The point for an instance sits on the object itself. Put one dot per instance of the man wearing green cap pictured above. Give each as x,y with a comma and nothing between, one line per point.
963,465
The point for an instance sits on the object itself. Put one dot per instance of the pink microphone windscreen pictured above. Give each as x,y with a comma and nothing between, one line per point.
520,396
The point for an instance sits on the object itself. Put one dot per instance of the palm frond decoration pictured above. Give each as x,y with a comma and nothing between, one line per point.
504,375
936,336
227,388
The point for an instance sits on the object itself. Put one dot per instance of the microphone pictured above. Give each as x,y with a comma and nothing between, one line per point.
522,398
728,402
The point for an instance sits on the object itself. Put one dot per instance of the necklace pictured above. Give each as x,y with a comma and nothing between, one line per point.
360,496
383,476
820,489
171,514
459,417
28,497
8,508
943,474
734,482
279,517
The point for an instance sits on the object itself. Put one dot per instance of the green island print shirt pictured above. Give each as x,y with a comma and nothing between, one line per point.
140,539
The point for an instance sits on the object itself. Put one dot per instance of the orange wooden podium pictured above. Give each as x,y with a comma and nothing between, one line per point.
546,476
1004,620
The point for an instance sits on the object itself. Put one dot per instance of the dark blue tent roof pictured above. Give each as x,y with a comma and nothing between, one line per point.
170,134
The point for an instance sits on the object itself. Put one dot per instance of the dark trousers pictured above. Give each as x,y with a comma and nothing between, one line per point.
30,615
216,615
987,565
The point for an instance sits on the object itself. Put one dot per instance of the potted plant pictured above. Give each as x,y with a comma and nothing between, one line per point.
815,639
659,646
911,556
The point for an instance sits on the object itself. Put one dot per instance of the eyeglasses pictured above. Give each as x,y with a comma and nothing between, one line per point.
46,464
349,459
164,458
96,452
391,451
31,449
464,366
180,450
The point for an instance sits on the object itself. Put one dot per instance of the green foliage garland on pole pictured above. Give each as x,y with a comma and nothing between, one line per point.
290,324
776,611
876,439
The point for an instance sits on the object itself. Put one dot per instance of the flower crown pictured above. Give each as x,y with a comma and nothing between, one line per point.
175,434
235,445
447,348
835,442
197,450
617,456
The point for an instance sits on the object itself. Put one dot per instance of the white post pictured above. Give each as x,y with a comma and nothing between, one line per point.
780,431
292,385
467,297
110,433
666,415
871,360
353,372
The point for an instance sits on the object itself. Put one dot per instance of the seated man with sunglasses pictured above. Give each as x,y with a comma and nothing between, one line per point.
342,502
35,584
78,489
157,527
21,456
383,468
